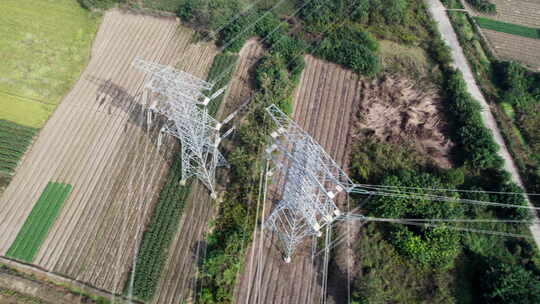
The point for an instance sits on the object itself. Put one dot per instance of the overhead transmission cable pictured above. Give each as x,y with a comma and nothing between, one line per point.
450,190
446,199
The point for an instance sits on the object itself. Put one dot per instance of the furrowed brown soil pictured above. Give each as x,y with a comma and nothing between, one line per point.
324,106
98,141
178,282
396,110
522,12
512,47
240,86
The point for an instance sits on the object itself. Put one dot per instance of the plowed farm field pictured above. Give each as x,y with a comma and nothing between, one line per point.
178,282
522,12
98,141
324,106
511,47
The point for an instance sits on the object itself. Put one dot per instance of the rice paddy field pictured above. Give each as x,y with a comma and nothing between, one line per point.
44,47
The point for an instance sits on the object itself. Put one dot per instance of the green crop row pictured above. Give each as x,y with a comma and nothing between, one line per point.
14,140
9,127
163,224
508,28
157,238
38,223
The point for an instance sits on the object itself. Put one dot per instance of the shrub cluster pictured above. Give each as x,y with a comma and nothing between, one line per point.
389,12
479,147
518,86
483,6
508,283
352,48
431,247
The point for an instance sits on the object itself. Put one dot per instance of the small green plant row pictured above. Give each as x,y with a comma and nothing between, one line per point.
38,223
159,233
13,127
163,225
484,6
14,140
509,28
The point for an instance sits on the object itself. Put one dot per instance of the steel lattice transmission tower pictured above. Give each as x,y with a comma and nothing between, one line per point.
312,182
181,98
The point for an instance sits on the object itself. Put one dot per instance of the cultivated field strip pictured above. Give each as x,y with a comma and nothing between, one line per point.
512,47
178,281
324,103
98,141
240,85
522,12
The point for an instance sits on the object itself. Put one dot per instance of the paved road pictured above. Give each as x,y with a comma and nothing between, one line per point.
438,13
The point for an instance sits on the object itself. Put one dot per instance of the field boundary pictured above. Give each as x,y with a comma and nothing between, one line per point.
60,279
508,28
43,215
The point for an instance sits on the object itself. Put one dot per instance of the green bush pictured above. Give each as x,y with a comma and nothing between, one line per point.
478,146
519,200
509,284
352,48
210,16
483,6
431,247
322,13
379,12
518,86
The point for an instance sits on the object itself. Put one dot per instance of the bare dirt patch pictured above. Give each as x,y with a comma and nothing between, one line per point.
396,110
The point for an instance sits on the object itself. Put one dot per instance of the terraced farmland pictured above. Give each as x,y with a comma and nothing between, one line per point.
324,107
178,281
98,142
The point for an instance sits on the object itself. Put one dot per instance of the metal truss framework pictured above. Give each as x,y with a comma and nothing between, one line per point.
181,98
312,181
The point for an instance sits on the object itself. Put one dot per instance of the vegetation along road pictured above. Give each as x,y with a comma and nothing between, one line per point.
438,12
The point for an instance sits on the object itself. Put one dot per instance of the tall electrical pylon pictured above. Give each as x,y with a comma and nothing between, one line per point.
312,182
181,98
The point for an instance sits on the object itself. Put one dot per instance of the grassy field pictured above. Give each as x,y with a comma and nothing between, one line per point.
508,28
38,223
45,45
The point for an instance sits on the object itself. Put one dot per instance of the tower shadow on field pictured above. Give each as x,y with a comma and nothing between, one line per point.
110,95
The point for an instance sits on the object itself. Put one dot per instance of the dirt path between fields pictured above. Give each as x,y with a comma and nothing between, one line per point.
438,13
